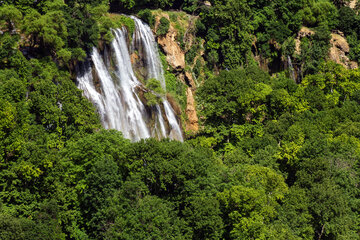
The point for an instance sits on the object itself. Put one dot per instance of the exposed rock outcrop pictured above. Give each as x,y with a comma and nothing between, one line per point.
175,44
192,123
175,56
338,50
263,62
304,32
190,80
339,47
207,3
352,3
134,58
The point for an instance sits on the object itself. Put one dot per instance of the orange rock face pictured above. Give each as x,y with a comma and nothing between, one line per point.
192,123
175,56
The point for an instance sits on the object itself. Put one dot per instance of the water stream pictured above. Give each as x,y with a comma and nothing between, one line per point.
116,92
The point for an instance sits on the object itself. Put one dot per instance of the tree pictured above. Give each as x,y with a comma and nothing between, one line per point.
43,224
148,218
235,97
348,20
228,31
341,3
48,31
11,16
250,202
163,26
202,213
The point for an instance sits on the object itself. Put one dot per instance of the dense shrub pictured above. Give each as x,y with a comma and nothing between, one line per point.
163,27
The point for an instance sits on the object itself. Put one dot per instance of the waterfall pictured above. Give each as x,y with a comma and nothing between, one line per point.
144,38
144,42
291,69
175,132
85,82
110,83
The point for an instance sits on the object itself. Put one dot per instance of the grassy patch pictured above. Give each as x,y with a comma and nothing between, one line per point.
113,21
154,93
121,20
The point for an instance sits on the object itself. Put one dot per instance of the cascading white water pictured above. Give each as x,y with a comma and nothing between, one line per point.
144,38
160,121
134,111
144,35
110,96
85,82
291,68
117,105
175,131
116,95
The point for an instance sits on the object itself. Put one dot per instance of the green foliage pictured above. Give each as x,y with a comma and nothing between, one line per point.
43,225
147,16
10,15
95,165
354,47
173,17
348,20
131,5
51,26
337,83
153,96
41,109
154,85
320,12
8,50
299,142
235,97
203,213
83,32
231,36
314,50
152,99
163,27
349,24
274,159
200,27
48,30
193,52
109,22
233,29
127,4
174,87
151,218
191,6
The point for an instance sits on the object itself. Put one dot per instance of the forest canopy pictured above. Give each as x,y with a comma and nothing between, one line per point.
277,155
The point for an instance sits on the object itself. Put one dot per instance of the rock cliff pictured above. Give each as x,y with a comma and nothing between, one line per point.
175,56
339,50
175,44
